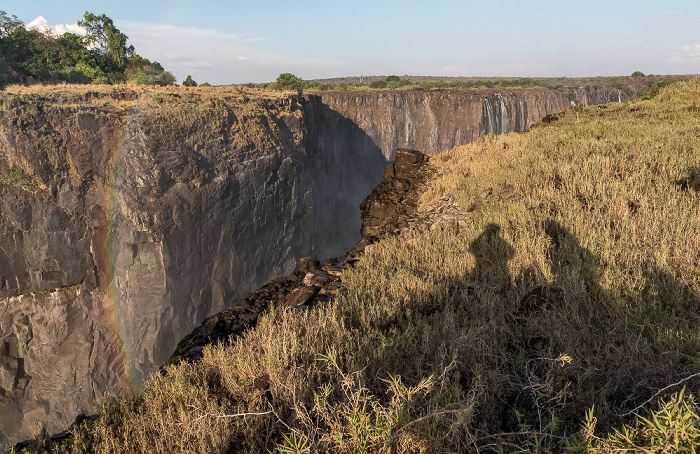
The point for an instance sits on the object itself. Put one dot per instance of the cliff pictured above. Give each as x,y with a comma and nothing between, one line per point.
437,121
128,216
125,224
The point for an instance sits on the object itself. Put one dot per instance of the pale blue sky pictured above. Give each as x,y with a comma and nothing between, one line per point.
253,41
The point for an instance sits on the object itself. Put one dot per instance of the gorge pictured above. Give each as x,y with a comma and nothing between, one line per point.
129,215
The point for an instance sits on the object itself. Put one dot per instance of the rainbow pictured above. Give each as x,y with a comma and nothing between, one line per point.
108,241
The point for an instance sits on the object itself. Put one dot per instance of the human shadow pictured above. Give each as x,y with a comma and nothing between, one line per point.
492,253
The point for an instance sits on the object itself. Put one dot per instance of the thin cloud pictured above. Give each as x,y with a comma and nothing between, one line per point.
690,53
245,59
196,64
671,13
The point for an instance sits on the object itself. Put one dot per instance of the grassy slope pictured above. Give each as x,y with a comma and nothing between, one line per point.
430,348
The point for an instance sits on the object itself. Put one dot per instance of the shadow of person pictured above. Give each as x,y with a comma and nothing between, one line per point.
576,268
492,253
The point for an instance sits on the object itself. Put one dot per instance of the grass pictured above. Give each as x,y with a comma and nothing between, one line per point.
430,347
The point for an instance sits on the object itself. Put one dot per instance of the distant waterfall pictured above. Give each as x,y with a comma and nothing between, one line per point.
504,126
520,116
496,115
490,117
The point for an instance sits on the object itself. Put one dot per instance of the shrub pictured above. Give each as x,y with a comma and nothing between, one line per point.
189,82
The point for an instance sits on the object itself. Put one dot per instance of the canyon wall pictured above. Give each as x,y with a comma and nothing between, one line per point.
128,216
436,121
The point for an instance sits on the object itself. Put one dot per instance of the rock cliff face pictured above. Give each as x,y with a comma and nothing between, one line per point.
436,121
127,217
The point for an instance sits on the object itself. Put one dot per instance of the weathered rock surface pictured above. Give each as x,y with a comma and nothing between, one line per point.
124,225
436,121
121,229
397,194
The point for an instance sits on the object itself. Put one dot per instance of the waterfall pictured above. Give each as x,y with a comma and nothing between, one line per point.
496,114
504,126
490,117
519,117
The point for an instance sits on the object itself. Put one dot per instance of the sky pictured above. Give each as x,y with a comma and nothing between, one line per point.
225,42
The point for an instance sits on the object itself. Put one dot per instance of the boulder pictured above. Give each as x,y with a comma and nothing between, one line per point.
307,264
301,296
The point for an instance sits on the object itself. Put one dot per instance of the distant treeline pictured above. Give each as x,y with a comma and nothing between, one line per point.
101,56
636,85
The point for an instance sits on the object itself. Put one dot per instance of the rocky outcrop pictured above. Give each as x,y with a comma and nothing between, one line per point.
397,194
127,217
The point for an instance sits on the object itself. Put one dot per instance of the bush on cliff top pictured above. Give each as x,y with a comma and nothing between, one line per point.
430,348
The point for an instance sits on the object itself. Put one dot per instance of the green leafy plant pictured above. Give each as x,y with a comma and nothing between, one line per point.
16,174
674,427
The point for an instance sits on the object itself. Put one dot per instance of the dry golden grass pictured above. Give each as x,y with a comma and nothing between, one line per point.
429,349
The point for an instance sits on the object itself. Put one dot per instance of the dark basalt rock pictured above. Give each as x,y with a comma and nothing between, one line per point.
307,264
396,195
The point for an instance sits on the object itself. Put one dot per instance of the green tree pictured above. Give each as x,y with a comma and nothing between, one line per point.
164,78
393,79
8,24
109,43
189,82
638,74
100,57
31,54
287,81
378,84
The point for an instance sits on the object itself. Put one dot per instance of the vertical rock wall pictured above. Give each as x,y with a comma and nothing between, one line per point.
436,121
124,224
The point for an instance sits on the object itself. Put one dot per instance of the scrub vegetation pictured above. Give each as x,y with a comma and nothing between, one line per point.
438,342
101,56
637,85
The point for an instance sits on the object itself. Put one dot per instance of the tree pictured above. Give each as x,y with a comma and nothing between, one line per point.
393,79
289,82
189,82
107,41
164,78
100,57
638,74
8,24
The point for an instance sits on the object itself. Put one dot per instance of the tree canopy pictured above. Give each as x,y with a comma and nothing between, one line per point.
189,82
101,56
287,81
